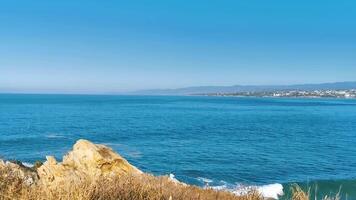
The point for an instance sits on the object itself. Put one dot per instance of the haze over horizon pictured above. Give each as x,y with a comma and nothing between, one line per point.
117,46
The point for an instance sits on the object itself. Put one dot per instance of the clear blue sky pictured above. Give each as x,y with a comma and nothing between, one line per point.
110,46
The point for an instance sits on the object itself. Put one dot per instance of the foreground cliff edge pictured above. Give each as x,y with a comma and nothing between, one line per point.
93,171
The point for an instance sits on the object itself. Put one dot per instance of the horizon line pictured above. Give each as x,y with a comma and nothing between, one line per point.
134,92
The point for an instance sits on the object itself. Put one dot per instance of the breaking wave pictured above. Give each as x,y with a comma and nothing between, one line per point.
269,191
26,164
273,191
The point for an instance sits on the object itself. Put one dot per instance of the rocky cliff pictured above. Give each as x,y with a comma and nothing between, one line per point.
93,171
85,161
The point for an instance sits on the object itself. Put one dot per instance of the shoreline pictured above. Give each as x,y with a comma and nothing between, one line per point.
85,158
335,183
275,97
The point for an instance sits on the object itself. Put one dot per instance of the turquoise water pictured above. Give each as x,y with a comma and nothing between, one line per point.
225,141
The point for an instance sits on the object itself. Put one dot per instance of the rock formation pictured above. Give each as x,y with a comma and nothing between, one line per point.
85,161
88,163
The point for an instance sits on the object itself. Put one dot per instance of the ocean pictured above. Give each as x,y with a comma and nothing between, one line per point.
223,142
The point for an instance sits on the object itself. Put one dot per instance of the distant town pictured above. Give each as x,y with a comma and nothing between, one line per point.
293,93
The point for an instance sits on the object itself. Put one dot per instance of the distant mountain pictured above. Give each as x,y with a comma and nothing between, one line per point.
247,88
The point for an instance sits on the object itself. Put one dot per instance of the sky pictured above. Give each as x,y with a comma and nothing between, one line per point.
85,46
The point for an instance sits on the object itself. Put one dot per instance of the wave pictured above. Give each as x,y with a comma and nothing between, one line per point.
271,191
345,189
173,179
54,136
205,180
26,164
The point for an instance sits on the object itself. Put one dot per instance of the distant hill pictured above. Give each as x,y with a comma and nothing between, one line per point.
247,88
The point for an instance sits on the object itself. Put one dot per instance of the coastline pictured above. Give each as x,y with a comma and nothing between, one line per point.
274,97
171,95
94,171
84,161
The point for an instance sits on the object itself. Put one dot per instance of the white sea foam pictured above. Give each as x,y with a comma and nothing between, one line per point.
174,180
205,180
271,191
26,164
54,135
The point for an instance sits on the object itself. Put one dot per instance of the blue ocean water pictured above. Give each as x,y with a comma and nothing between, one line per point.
227,140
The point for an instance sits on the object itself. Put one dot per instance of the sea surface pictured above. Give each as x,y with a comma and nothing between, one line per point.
226,142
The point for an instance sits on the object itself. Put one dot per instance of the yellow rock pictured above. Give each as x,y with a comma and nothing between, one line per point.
85,161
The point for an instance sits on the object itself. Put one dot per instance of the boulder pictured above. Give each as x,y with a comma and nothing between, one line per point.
85,161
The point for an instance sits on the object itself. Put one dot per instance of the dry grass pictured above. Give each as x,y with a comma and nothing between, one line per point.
299,194
145,187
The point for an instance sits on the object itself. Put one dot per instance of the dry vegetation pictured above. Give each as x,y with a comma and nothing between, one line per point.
145,187
299,194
